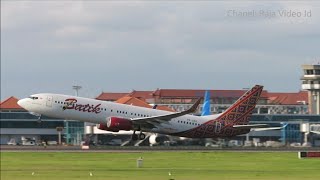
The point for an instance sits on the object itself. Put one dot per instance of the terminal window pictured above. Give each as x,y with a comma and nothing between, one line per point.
309,71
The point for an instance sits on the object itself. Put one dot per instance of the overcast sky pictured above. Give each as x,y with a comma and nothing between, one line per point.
119,46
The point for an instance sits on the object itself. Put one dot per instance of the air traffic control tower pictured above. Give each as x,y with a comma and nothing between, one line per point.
311,82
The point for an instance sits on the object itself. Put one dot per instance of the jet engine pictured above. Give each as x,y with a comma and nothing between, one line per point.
115,124
156,139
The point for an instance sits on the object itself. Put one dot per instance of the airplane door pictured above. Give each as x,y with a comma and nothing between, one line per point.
217,127
49,101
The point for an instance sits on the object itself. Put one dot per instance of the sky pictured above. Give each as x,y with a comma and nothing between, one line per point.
118,46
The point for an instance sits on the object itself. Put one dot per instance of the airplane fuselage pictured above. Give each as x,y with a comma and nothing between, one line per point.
234,121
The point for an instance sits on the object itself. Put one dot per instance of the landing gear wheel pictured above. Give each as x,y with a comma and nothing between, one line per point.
134,137
142,136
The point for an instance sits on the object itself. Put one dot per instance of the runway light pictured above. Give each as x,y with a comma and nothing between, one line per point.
32,173
90,174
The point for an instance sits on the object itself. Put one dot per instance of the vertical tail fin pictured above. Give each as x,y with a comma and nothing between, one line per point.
206,104
240,112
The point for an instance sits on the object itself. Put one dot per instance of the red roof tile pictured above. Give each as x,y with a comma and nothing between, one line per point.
186,93
137,102
165,108
133,101
144,95
10,103
109,96
288,98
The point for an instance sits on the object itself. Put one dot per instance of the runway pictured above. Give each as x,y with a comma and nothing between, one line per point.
133,149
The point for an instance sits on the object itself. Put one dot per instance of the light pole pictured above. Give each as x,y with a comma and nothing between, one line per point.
59,129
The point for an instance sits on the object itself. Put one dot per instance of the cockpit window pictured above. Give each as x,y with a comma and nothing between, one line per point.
33,97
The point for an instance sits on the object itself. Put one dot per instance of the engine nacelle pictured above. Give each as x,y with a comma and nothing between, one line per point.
154,139
116,124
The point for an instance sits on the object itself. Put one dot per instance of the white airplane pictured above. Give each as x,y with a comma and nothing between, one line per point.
114,117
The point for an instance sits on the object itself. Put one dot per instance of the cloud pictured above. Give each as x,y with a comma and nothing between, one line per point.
145,45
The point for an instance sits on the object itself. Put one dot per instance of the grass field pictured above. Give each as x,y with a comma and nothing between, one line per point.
157,165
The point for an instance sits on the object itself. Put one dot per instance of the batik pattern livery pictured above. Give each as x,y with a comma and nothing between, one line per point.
238,114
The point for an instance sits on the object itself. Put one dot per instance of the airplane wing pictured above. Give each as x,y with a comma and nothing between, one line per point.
258,127
156,120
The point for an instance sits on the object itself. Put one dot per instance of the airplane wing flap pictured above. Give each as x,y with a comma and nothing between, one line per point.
156,123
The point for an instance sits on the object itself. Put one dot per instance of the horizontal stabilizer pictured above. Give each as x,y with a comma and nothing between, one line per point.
258,127
249,126
266,129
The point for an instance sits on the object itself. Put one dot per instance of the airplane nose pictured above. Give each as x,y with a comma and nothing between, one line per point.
21,102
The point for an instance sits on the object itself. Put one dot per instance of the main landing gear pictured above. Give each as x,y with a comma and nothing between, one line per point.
135,137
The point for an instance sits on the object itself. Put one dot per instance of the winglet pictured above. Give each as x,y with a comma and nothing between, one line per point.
194,107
